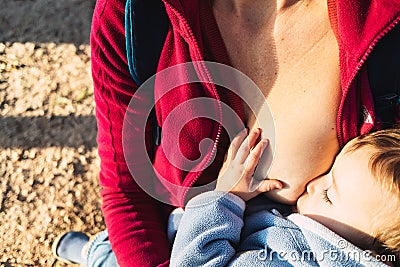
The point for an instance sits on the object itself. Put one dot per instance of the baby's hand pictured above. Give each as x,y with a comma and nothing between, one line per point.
241,161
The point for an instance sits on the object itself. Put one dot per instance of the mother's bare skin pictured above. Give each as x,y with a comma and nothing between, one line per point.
289,50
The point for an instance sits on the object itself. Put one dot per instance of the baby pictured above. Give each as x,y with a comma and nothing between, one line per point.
347,217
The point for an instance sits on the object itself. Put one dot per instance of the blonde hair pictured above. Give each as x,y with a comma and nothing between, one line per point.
385,166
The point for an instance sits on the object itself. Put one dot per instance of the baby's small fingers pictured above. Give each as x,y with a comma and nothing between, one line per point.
254,157
235,144
253,137
269,185
247,144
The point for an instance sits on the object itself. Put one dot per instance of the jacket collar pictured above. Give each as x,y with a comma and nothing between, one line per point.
358,26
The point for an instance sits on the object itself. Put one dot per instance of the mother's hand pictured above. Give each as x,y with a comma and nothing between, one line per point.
236,175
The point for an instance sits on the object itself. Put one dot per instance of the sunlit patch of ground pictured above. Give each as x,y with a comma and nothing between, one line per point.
48,156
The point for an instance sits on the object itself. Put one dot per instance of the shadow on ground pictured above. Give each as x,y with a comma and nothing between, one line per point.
46,21
60,131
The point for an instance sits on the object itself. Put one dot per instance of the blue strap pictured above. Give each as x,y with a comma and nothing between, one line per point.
130,42
146,27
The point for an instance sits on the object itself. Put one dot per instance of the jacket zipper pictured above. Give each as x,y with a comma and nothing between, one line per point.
201,62
358,68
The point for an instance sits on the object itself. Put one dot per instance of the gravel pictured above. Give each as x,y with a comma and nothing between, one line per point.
48,155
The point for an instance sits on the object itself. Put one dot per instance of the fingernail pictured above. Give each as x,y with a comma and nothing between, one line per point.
264,142
278,186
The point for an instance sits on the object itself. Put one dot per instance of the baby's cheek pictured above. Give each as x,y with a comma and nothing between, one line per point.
302,203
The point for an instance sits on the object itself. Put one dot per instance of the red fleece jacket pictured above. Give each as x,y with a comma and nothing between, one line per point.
137,222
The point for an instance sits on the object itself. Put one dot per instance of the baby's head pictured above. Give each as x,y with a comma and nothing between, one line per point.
360,197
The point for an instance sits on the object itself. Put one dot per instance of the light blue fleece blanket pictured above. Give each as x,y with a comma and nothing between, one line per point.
211,232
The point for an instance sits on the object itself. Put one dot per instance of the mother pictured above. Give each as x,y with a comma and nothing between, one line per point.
308,58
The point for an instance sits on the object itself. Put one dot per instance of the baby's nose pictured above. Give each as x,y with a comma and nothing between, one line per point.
315,183
311,186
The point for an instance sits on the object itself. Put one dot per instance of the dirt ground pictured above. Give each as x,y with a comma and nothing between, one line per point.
48,155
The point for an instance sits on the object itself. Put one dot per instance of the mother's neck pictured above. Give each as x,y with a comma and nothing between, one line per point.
241,7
